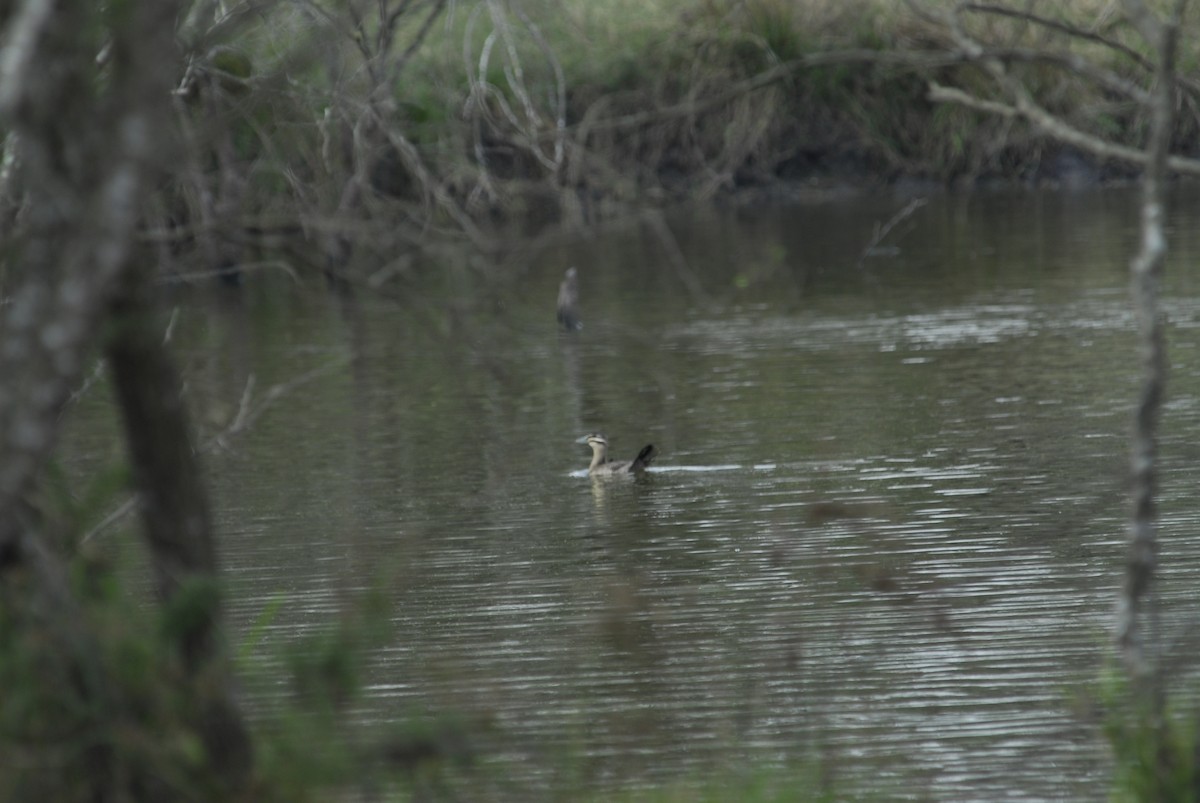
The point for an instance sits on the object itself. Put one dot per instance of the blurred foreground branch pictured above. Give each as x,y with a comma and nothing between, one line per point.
91,135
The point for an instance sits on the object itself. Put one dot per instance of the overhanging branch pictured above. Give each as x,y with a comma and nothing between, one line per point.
1056,128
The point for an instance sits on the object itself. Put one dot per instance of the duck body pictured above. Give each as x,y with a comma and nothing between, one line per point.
602,466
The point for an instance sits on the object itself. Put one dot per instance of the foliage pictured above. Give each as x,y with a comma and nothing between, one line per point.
749,786
1155,760
125,714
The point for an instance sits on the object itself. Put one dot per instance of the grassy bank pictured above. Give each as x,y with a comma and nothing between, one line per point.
365,132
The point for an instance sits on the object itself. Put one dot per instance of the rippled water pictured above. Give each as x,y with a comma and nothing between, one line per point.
885,528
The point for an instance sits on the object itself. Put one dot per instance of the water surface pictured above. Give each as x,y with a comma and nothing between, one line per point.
885,529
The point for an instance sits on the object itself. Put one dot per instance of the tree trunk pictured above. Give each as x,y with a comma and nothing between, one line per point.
176,521
89,134
1136,601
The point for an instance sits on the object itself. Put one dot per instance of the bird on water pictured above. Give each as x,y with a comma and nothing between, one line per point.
602,466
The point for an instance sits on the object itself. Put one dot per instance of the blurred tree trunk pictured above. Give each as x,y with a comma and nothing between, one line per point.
175,517
85,99
1137,600
1005,93
1137,633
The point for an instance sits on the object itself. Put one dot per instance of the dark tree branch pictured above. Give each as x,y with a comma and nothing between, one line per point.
1062,27
435,11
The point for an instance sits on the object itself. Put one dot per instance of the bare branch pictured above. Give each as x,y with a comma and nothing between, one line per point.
560,85
250,411
1062,27
422,33
1021,104
1055,127
1078,65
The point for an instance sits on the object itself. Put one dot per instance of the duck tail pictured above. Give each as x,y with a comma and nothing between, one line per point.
645,457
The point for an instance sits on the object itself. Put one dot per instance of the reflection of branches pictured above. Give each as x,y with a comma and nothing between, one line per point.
658,224
249,411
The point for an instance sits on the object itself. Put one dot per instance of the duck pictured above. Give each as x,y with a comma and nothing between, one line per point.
602,466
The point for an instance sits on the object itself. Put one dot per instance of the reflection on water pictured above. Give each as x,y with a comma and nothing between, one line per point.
884,528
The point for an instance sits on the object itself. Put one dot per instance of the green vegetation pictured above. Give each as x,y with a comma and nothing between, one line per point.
344,141
480,121
130,714
1154,759
750,787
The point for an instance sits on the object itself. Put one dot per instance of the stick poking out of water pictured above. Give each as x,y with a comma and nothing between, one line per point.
568,301
882,232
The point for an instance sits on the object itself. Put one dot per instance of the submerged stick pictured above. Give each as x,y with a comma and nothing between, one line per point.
881,232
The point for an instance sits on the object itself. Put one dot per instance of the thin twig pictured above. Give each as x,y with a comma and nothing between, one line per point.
117,514
1062,27
244,267
170,330
96,375
426,26
249,412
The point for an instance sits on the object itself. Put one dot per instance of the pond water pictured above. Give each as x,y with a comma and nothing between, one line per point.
884,531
